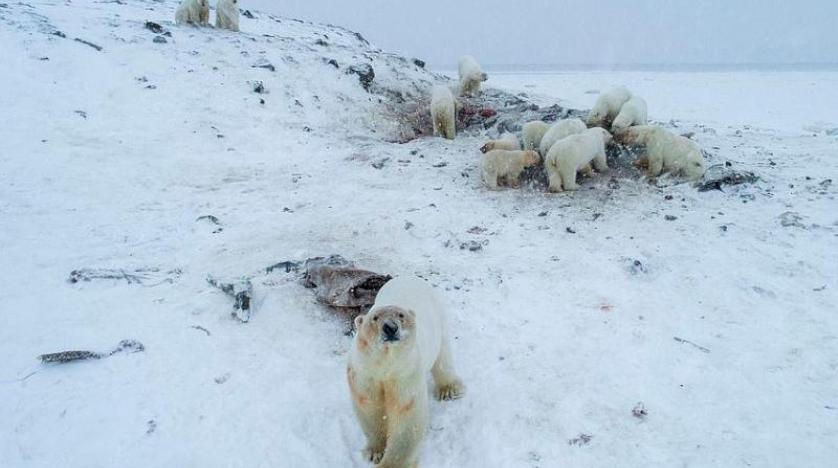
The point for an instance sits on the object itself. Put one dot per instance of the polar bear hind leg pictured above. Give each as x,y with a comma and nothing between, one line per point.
447,386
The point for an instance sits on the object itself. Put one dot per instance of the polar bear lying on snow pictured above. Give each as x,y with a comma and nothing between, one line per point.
559,131
193,12
665,151
532,133
227,14
402,338
471,76
507,165
573,153
608,106
443,110
634,112
507,141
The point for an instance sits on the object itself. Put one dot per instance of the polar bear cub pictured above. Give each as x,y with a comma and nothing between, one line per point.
634,112
559,131
665,151
227,14
507,165
507,141
532,133
471,76
573,153
193,12
402,338
608,105
443,113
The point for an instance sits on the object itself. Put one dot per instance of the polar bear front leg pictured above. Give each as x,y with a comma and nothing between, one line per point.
655,165
567,170
491,180
601,162
405,434
554,177
447,385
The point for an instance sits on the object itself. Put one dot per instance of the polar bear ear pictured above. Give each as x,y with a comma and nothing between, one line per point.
359,320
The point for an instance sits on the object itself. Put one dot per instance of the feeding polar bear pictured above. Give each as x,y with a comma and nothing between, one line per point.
607,106
443,110
665,151
193,12
471,76
397,343
634,112
559,131
532,133
573,153
227,14
508,166
507,141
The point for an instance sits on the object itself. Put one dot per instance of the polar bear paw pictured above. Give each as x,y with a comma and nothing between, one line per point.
374,455
450,391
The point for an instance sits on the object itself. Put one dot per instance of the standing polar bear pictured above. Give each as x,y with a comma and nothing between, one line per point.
507,165
443,110
573,153
193,12
634,112
227,15
532,133
471,76
402,338
665,151
560,131
608,106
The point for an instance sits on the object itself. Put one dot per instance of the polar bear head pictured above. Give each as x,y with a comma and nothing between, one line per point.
605,134
694,166
530,158
639,135
387,332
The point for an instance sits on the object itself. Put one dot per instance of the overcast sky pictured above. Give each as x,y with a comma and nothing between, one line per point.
598,32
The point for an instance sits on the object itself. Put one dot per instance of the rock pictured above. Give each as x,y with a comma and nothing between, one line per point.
159,40
248,14
792,219
419,63
365,72
264,64
154,27
321,42
332,62
670,218
259,88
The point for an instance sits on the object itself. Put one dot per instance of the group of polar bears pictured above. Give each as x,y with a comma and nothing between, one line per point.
571,146
197,12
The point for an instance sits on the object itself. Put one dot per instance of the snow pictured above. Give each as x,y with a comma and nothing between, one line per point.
558,330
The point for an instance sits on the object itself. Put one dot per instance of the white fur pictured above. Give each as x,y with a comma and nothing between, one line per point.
471,76
507,141
573,153
634,112
193,12
608,105
666,152
443,113
559,131
388,380
227,14
508,165
532,133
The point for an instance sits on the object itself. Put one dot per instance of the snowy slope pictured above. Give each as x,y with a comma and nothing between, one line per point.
565,319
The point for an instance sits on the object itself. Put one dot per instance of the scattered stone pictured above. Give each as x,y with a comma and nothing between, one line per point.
570,230
222,379
332,62
321,42
242,293
44,59
477,230
380,163
582,439
419,63
636,267
81,114
88,43
152,426
471,246
670,218
440,164
59,34
248,14
264,64
127,346
259,87
159,40
543,214
792,219
639,411
143,276
719,176
154,27
365,72
408,225
820,289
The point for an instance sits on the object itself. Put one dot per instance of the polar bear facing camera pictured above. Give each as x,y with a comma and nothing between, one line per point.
397,343
507,166
227,14
634,112
607,106
532,133
665,151
560,131
507,141
193,12
443,110
572,154
471,76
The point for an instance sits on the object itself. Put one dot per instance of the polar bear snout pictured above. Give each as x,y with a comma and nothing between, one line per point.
390,331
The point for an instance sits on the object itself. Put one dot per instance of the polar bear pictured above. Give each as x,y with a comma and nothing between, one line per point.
443,111
608,106
665,152
402,338
570,155
471,76
227,15
634,112
559,131
193,12
507,165
507,141
532,133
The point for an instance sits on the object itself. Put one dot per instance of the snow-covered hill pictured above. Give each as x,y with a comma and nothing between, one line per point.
716,310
